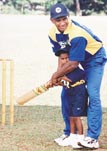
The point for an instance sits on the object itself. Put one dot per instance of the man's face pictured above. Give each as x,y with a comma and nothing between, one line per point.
61,23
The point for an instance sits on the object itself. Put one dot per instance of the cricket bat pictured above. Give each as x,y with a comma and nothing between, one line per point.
32,94
38,91
41,89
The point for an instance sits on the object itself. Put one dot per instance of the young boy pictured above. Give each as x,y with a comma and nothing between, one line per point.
77,100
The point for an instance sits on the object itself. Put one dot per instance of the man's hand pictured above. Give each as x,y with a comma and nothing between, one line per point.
49,84
66,68
55,81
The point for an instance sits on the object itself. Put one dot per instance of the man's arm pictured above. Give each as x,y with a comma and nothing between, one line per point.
59,64
66,68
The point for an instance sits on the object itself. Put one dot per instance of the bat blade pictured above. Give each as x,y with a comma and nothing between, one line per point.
37,91
31,94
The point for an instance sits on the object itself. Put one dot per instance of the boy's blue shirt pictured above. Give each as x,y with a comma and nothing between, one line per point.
76,75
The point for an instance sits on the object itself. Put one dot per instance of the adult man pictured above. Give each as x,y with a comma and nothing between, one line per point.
87,49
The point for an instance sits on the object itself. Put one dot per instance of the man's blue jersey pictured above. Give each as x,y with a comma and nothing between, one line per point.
81,43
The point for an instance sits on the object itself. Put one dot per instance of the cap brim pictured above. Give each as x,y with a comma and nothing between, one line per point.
59,15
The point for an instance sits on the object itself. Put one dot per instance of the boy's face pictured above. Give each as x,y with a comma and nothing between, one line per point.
61,23
63,58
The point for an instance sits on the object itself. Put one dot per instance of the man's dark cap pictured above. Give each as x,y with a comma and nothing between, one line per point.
58,10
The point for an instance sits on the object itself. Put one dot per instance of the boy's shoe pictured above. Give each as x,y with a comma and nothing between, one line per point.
66,142
70,141
89,142
75,145
80,137
61,138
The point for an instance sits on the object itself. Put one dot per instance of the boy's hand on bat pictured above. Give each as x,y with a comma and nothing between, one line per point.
58,82
65,78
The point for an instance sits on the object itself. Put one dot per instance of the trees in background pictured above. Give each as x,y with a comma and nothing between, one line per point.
77,7
89,7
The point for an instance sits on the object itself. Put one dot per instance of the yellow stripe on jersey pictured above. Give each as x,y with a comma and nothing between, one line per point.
76,31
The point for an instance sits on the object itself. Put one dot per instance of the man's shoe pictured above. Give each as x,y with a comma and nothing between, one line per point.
89,142
62,137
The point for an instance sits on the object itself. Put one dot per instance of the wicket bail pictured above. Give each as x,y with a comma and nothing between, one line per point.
4,62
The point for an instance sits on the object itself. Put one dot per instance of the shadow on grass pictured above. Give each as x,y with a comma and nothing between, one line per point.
36,127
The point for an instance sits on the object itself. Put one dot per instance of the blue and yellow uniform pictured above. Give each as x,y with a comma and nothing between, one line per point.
86,48
76,93
76,38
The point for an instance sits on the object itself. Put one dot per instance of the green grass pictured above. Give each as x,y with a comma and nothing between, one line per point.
36,127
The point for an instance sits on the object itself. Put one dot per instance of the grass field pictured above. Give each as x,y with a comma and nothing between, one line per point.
36,127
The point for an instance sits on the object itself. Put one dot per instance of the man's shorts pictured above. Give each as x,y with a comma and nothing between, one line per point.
77,100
